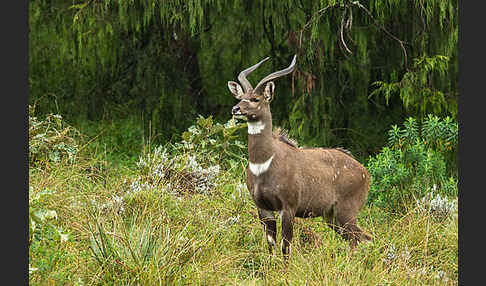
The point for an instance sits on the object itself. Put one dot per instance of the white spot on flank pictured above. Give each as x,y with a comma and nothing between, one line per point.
270,239
260,168
363,175
255,127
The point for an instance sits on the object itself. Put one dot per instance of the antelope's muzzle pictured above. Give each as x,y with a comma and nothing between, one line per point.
236,110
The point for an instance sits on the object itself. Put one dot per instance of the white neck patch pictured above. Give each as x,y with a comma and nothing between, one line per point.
255,127
258,169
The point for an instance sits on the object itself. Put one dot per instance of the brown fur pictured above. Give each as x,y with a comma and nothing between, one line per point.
300,182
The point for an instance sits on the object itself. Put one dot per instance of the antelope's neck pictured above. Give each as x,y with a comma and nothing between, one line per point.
260,141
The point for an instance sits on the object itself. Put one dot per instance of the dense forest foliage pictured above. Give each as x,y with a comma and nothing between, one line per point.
362,66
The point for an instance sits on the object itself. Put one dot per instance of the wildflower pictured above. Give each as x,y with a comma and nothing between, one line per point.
32,269
194,130
192,163
188,146
441,275
64,237
137,186
213,171
141,163
390,254
231,123
232,220
116,203
438,204
239,188
158,171
406,253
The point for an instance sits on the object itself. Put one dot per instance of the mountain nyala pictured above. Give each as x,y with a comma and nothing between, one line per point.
293,181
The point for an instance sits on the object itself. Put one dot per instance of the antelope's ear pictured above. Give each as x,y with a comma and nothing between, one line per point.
235,89
268,92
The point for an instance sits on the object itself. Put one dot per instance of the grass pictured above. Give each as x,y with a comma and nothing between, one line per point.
160,239
113,236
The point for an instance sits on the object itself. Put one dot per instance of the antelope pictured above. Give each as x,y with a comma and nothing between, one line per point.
293,181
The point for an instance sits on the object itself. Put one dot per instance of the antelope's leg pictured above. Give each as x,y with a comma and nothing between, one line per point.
270,227
342,220
347,226
333,222
352,232
287,217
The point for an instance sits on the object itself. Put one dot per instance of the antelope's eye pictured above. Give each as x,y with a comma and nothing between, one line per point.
254,99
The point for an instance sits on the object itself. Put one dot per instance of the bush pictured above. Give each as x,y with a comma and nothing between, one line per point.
219,143
417,159
41,217
51,139
437,205
193,165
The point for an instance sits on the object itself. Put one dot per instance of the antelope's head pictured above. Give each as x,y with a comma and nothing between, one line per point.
255,103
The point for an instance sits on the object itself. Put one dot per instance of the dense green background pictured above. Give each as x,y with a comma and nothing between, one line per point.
147,68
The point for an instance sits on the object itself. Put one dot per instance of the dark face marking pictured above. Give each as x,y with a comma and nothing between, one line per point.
251,107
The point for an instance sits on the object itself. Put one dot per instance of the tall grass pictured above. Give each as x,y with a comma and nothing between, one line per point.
116,236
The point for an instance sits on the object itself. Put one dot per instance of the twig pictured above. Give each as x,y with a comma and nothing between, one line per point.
341,32
348,25
80,9
313,18
359,5
91,140
422,14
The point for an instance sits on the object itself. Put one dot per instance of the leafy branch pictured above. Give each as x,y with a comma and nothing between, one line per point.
416,87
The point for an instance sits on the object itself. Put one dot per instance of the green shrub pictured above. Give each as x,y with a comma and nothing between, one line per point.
219,143
51,139
40,216
416,160
193,165
45,234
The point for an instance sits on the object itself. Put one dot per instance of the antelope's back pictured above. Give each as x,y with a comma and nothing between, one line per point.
333,170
